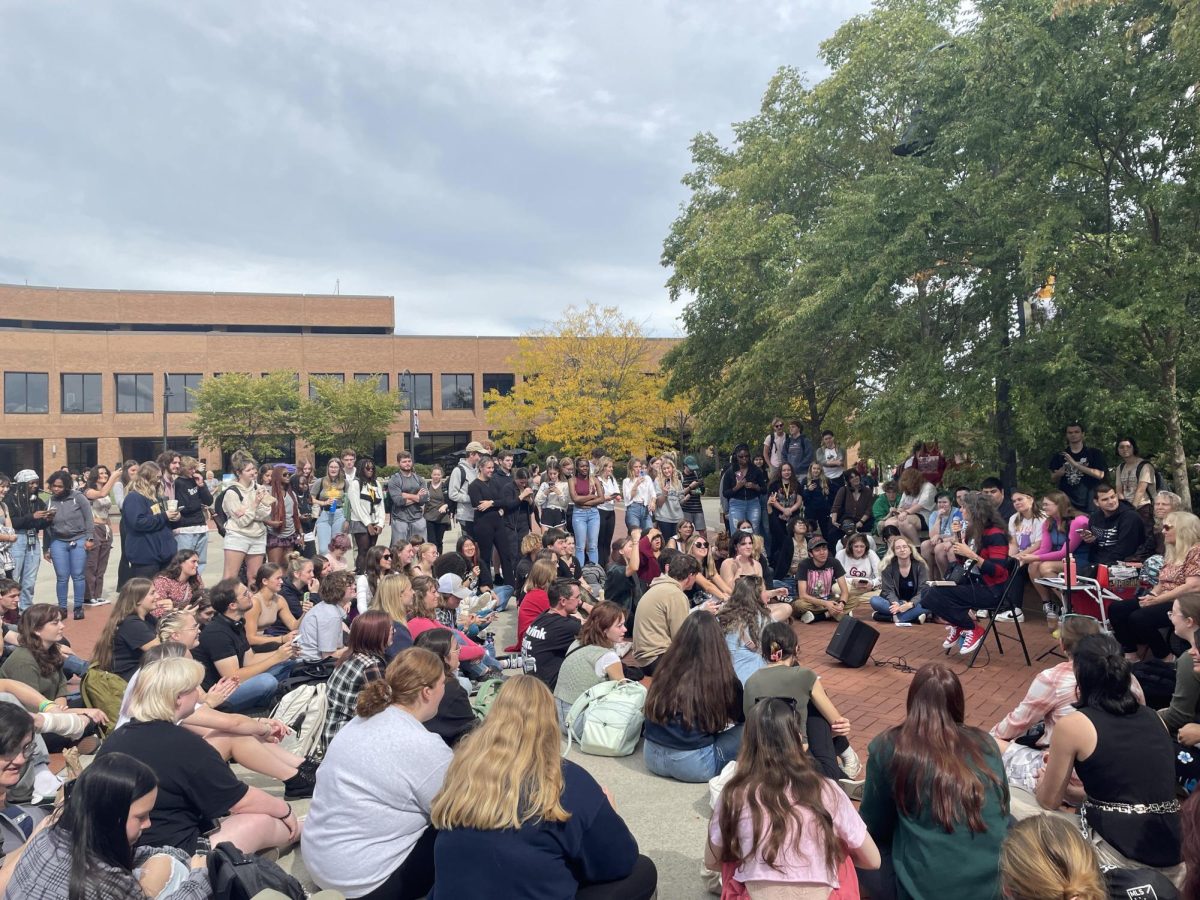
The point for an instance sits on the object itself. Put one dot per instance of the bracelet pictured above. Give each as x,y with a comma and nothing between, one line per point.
44,705
288,814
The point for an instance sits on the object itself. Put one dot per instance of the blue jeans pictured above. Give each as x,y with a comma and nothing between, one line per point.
637,516
197,542
258,691
585,523
504,593
69,558
746,511
27,559
881,607
694,766
73,665
328,524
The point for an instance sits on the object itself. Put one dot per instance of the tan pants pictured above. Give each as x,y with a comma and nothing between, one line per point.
853,601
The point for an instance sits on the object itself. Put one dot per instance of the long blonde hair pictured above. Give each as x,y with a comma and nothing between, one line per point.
146,482
508,771
1187,535
1046,857
389,594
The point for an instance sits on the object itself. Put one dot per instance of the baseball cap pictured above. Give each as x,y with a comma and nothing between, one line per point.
476,447
452,584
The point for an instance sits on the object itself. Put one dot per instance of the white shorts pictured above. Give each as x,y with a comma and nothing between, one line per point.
242,544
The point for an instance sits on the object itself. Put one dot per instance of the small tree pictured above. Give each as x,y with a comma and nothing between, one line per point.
346,414
582,384
238,411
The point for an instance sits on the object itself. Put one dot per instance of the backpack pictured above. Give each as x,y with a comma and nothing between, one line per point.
486,696
103,691
1160,483
219,514
235,875
614,718
302,710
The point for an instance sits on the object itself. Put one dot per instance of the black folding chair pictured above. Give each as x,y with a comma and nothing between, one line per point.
1007,603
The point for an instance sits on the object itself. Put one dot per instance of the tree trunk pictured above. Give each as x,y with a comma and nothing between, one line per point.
1179,469
1006,454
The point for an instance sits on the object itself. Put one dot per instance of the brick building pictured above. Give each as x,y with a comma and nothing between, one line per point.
87,372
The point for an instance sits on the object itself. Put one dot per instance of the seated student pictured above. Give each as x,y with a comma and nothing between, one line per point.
473,659
537,601
127,634
904,579
779,823
621,584
38,663
1115,532
984,552
21,821
367,833
394,596
662,611
817,580
91,850
197,791
916,504
1050,697
649,547
364,662
300,583
826,732
335,560
885,503
1123,755
945,525
799,530
709,585
861,566
451,594
939,816
269,620
225,653
1062,533
694,706
594,657
455,716
379,562
323,629
552,633
742,618
180,580
540,824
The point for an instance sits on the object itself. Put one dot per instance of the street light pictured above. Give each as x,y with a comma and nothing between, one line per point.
413,422
167,395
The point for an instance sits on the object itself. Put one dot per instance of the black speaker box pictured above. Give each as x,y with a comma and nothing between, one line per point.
853,642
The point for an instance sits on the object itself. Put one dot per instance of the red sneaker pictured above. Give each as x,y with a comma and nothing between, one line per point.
953,633
971,641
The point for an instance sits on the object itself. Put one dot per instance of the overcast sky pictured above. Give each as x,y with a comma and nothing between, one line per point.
486,163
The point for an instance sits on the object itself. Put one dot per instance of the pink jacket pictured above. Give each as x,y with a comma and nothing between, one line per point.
1078,523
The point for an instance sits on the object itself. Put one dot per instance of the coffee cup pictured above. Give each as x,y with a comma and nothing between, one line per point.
172,506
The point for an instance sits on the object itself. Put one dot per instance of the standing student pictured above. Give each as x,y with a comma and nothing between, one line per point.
1077,469
366,515
586,495
437,508
740,486
97,489
68,538
408,495
638,492
486,497
195,501
247,507
28,515
329,503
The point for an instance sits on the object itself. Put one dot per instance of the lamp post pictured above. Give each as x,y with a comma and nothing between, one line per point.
414,424
167,395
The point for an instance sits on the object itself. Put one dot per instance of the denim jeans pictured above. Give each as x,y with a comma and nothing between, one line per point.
69,558
197,542
881,608
637,516
694,766
27,559
563,708
73,666
258,691
504,593
585,522
329,524
746,511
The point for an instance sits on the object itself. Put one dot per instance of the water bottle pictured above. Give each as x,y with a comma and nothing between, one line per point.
489,644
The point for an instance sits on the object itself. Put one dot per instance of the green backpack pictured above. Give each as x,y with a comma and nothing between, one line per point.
486,696
104,691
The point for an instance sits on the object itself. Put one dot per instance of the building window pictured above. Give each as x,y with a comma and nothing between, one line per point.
81,454
135,393
26,392
438,448
81,393
499,382
180,400
422,387
332,376
382,383
458,392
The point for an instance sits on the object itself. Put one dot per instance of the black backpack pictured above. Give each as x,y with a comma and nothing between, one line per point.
236,876
219,515
1160,483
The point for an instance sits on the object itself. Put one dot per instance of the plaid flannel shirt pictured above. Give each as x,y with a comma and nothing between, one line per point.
341,693
1051,696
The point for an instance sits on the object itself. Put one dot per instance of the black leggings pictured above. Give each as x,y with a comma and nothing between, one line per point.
436,532
1140,626
640,884
489,537
953,604
608,524
414,877
823,747
363,542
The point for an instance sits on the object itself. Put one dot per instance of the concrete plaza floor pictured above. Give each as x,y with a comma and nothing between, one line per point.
670,819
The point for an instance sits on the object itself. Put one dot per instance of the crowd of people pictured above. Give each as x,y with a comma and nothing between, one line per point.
429,749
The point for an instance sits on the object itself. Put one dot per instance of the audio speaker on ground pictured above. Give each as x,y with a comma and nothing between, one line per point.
853,642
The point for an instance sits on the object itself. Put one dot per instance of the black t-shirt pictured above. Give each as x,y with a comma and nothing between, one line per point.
820,579
907,587
195,785
547,640
621,588
220,639
455,717
132,635
1078,487
569,568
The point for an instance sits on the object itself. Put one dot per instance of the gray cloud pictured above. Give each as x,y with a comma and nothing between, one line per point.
485,163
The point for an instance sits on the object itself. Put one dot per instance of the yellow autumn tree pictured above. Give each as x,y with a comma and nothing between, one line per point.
589,381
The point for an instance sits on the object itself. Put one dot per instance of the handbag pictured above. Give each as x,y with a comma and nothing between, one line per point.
614,718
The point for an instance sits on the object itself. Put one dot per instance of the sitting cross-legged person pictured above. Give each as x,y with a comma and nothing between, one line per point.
821,588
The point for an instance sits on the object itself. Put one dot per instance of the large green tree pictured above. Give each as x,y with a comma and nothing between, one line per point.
347,414
239,411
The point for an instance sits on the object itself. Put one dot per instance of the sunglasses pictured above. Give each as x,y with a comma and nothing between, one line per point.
386,556
700,544
790,701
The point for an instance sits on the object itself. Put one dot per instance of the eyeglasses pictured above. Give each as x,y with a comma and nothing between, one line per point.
25,751
790,701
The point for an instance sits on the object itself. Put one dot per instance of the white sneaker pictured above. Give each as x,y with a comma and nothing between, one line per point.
853,787
807,617
850,763
982,613
921,619
1010,615
1051,611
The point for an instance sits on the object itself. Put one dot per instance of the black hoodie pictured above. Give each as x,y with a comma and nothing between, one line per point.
1119,536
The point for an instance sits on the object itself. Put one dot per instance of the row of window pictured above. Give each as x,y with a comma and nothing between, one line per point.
29,392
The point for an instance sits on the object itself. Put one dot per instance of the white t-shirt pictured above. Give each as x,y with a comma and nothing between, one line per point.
1025,533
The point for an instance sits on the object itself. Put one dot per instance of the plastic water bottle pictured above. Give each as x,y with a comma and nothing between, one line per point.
489,644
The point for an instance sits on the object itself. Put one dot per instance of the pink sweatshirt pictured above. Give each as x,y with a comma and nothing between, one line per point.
1074,539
